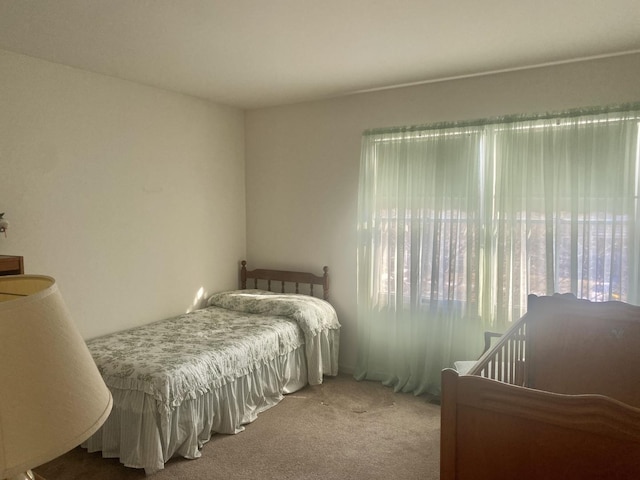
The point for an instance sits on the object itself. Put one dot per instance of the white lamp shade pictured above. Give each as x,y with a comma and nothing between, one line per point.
52,396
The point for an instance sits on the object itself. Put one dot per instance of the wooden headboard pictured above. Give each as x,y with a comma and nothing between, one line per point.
578,346
283,277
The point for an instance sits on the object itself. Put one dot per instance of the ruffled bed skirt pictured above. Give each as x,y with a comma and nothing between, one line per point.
142,436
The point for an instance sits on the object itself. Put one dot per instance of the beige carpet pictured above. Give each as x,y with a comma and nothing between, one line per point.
342,429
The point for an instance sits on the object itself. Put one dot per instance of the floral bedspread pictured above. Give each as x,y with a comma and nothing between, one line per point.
188,355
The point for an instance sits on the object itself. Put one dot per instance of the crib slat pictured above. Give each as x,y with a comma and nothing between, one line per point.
506,361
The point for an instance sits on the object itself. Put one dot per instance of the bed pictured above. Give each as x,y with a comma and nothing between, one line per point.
557,397
177,381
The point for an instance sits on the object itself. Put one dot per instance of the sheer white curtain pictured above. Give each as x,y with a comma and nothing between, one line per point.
459,223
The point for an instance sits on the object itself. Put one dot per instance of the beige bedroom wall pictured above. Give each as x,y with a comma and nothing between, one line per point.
130,196
302,160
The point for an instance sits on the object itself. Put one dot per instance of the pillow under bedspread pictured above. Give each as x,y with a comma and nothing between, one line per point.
312,314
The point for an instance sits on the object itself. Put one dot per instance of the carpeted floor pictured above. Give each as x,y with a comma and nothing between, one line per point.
342,429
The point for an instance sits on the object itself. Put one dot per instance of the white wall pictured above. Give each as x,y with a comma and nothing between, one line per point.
302,160
132,197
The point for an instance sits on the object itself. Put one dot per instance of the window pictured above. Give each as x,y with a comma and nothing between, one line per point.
458,224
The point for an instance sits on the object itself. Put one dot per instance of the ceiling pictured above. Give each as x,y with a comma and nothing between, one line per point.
257,53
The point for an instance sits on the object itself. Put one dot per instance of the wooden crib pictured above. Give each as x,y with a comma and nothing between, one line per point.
557,397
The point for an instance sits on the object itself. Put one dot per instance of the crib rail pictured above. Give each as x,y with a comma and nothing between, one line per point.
506,360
